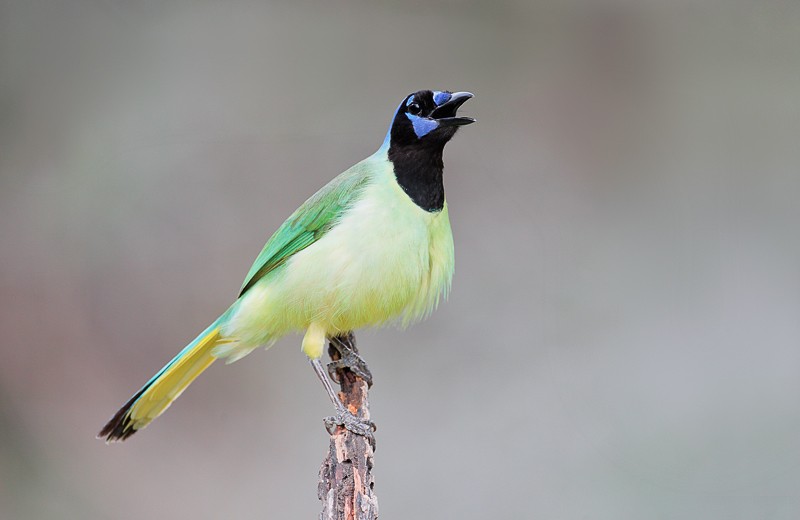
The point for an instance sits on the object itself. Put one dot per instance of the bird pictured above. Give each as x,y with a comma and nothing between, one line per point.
372,246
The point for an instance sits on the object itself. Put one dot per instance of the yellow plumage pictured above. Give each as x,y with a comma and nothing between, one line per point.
385,259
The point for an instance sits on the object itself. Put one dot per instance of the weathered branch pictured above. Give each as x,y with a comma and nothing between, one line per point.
345,478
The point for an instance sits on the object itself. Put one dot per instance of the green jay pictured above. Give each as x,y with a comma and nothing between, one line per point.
372,246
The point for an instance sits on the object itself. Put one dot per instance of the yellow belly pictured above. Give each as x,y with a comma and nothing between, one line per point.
387,258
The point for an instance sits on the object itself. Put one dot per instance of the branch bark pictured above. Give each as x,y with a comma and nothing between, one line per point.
345,478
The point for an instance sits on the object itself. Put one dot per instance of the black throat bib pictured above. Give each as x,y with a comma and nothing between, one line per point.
418,171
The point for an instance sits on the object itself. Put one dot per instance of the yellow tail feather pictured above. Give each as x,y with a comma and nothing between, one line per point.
156,396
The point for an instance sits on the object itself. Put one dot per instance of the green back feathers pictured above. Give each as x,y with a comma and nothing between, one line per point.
309,222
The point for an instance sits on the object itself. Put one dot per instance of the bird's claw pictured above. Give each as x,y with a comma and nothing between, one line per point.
350,422
349,358
355,363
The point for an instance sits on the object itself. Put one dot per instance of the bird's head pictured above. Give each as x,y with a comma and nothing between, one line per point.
427,119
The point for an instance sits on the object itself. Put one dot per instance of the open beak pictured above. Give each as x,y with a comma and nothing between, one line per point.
446,112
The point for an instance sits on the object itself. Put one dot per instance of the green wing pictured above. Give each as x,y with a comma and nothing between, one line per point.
308,223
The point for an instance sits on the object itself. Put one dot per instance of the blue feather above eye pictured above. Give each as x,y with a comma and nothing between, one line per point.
422,125
441,97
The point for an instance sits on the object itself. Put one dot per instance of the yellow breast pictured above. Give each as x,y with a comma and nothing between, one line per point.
386,258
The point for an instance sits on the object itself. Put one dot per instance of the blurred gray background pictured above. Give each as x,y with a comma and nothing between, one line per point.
623,336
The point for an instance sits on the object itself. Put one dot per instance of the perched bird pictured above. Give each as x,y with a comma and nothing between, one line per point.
371,246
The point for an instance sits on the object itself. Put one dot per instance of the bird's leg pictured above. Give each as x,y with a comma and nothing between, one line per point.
343,417
348,358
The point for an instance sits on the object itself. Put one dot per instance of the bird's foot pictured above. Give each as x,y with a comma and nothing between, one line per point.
350,422
355,363
350,359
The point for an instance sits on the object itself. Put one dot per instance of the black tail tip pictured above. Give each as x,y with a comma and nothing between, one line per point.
119,427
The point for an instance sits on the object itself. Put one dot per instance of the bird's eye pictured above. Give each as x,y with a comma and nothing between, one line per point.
414,109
